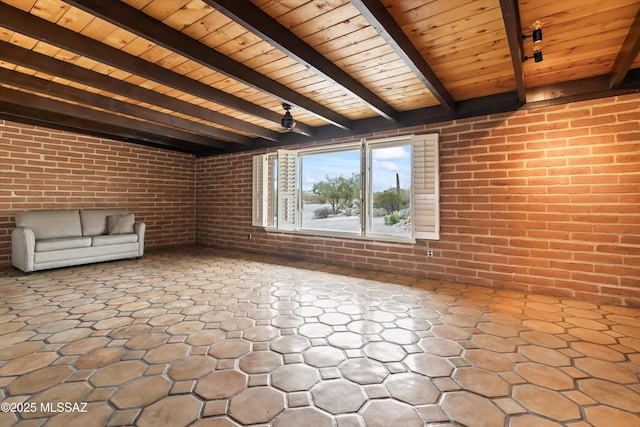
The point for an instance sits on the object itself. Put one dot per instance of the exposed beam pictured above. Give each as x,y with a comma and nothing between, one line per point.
511,19
47,119
35,84
48,32
162,134
376,13
580,90
493,104
139,23
258,22
54,120
55,67
564,93
627,55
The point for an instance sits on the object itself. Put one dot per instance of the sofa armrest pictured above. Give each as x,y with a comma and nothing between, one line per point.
23,246
140,228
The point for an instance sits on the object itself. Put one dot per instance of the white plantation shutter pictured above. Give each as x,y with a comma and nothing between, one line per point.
287,195
260,187
425,188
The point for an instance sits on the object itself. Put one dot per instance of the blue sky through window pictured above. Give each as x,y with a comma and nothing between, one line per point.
315,168
387,162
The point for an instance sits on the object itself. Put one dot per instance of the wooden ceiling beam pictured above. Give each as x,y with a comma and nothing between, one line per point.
36,84
61,122
627,55
139,23
377,15
580,90
512,26
261,24
493,104
55,67
22,114
162,133
506,102
56,35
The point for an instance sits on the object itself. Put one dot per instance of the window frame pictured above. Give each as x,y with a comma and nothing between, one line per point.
425,188
367,167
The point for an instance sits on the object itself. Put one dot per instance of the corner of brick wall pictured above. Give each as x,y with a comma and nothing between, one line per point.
47,169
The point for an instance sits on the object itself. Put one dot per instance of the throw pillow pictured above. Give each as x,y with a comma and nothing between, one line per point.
120,224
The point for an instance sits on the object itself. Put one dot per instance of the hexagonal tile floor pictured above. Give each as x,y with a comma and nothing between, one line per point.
210,338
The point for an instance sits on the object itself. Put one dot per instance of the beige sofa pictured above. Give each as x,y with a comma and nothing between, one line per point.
46,239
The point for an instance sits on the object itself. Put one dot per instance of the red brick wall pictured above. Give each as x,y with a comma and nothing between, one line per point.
43,169
544,200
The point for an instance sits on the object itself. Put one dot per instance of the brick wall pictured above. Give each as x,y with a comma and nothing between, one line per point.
42,168
544,200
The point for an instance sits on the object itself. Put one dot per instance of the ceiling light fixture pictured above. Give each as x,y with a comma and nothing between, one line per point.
536,35
537,56
287,121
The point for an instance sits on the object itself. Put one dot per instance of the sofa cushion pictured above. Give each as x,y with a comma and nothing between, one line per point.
62,243
121,224
113,239
51,224
94,221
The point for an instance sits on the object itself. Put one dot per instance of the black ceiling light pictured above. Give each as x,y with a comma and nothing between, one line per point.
287,121
536,35
537,55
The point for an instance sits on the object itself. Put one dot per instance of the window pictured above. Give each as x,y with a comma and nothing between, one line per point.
383,188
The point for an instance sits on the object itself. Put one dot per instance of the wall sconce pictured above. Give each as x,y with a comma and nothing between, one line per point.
536,35
287,121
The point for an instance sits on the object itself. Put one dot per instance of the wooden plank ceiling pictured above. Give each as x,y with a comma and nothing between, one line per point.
210,76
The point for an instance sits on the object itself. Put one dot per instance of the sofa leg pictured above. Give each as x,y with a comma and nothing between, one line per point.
24,273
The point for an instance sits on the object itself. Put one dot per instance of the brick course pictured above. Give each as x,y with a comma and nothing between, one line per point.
544,200
47,169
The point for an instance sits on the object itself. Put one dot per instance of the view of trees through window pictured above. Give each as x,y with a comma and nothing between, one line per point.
331,191
332,185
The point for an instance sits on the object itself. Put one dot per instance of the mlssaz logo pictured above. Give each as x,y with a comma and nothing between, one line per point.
63,407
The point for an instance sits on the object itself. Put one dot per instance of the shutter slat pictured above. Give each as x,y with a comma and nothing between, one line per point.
287,202
425,188
259,195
